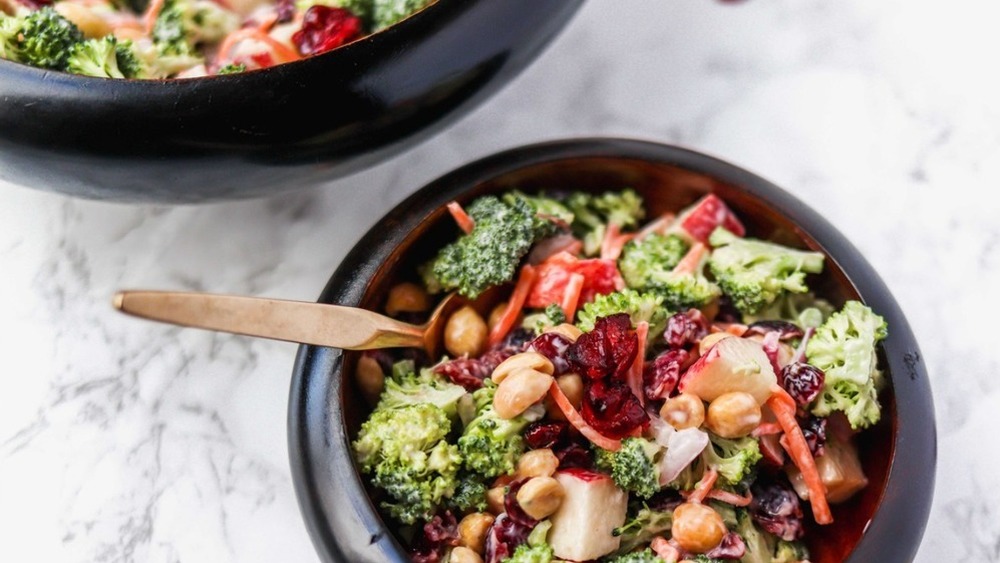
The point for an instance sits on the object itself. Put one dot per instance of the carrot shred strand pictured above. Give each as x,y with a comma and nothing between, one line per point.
576,419
704,486
465,222
783,407
524,282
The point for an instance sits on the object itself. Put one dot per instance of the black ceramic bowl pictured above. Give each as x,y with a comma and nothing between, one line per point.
275,129
882,523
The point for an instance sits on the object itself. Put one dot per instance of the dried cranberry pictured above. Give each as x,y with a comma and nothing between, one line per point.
470,372
285,10
731,547
609,349
503,538
324,28
684,329
434,538
814,429
513,508
553,346
35,4
802,381
612,409
540,434
660,377
775,507
574,455
785,329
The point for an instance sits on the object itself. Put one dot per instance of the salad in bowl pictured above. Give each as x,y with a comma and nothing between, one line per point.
622,386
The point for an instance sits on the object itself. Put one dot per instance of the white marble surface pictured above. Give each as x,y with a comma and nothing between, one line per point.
124,441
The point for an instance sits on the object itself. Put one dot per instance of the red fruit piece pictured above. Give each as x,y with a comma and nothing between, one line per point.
324,28
503,538
660,377
513,508
545,434
731,547
609,349
685,329
555,347
802,381
599,277
775,507
611,408
434,538
709,212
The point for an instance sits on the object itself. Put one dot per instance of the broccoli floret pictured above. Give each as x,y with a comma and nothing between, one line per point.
10,28
491,445
642,528
646,306
526,553
644,556
764,547
470,494
232,68
552,315
803,309
702,558
592,213
406,452
844,348
43,39
654,256
182,25
404,388
734,459
548,207
104,58
633,467
489,255
754,273
648,265
391,12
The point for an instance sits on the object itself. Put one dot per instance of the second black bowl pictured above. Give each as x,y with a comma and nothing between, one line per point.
261,132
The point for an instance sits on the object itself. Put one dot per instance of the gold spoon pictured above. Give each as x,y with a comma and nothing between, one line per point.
304,322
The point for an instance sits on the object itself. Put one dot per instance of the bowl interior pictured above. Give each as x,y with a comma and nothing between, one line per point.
668,179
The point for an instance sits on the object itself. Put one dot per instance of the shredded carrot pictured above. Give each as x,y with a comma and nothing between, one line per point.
730,498
576,419
571,295
524,282
704,486
461,217
783,407
281,51
767,428
152,12
614,241
692,260
267,23
634,375
665,550
658,226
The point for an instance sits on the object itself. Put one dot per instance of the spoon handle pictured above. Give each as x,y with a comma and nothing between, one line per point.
292,321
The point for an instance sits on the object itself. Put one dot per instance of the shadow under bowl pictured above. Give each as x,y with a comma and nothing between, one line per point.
262,132
884,522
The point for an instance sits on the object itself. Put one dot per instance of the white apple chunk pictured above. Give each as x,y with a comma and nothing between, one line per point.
592,508
703,216
732,364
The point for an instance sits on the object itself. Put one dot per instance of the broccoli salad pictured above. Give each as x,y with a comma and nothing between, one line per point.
184,38
619,389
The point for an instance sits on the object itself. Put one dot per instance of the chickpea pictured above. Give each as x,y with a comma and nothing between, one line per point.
496,314
462,554
683,411
571,385
567,330
711,340
465,333
370,378
537,463
472,531
733,415
529,360
407,297
91,25
494,500
540,497
520,390
697,528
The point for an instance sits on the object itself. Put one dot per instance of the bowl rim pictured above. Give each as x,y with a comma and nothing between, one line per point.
373,41
902,511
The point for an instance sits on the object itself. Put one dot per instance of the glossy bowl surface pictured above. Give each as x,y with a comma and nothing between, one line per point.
883,523
265,131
